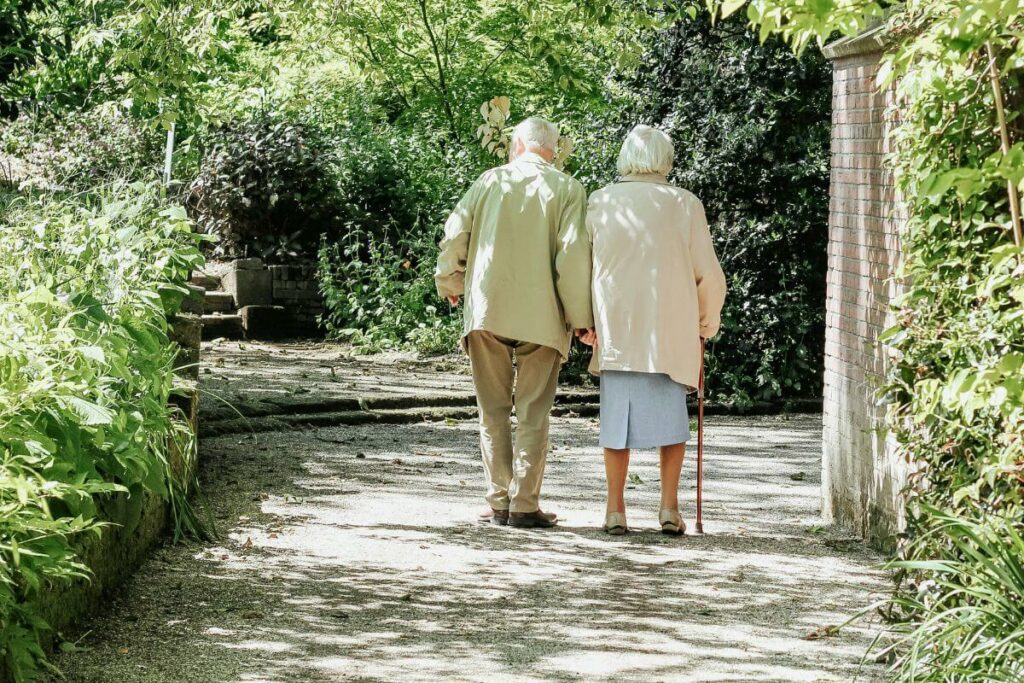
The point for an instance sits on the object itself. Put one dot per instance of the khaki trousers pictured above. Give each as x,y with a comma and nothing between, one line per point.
513,481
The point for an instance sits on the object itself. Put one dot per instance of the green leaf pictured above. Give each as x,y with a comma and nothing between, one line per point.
729,7
90,413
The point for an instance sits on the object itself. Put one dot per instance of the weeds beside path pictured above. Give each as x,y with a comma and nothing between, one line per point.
352,553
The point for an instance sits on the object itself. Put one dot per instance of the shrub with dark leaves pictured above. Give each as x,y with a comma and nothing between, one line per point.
264,189
750,124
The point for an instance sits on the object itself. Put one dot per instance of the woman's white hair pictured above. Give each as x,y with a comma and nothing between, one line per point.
536,132
645,150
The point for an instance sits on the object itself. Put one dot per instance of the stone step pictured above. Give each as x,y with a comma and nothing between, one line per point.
216,326
218,302
206,281
194,301
273,423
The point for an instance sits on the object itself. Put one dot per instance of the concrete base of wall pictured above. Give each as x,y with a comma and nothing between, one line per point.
137,524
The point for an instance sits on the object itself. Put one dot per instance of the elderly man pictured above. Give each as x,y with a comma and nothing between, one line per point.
517,248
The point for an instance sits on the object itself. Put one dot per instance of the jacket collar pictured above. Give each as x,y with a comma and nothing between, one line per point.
531,158
645,178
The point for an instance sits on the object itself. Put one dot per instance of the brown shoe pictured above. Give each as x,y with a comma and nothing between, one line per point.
532,520
494,516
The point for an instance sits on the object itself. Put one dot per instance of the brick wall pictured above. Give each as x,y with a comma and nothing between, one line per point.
295,288
861,477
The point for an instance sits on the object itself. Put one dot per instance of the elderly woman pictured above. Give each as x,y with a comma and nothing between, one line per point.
658,291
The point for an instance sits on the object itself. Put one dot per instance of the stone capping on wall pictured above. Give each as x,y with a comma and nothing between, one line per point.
873,39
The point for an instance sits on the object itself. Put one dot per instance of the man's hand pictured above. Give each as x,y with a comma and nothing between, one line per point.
454,300
588,336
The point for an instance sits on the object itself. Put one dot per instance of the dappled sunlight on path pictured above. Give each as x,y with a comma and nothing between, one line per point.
352,553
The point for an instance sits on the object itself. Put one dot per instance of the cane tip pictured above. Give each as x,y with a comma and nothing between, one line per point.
700,529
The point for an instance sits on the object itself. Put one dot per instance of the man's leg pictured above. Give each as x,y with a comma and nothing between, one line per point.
536,381
491,360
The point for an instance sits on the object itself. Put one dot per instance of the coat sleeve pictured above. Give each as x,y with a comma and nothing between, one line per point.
572,261
450,273
708,274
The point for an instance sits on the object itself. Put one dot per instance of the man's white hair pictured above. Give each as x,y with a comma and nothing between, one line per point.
536,132
645,150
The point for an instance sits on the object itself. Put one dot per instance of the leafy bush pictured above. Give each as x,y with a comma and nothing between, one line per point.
85,291
376,273
85,148
264,189
381,295
955,390
750,123
956,386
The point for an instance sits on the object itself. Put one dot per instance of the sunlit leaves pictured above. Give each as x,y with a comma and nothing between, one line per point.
85,376
436,56
955,388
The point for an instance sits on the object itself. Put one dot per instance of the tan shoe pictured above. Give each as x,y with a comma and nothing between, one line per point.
532,520
615,523
672,523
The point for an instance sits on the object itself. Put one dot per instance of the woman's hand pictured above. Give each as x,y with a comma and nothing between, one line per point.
588,336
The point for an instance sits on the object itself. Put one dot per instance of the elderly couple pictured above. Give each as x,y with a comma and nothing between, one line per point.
632,273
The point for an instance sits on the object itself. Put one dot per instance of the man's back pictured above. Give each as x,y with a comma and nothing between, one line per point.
516,247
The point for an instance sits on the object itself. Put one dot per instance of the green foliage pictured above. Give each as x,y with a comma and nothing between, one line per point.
380,295
78,153
955,388
85,378
427,59
264,189
20,44
750,124
377,275
967,620
155,56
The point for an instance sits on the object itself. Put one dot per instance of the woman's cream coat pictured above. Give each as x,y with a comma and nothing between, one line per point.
657,284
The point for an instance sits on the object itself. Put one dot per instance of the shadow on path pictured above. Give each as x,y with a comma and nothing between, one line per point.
351,553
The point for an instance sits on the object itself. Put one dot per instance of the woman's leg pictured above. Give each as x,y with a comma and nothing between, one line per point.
671,466
616,465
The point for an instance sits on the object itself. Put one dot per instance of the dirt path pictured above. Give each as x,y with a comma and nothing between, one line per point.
351,553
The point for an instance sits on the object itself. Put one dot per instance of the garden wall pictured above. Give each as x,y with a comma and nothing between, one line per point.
136,523
861,476
247,298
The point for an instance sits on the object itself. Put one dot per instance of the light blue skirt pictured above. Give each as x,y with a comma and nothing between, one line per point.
642,410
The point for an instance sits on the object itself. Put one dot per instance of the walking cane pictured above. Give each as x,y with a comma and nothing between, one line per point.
700,441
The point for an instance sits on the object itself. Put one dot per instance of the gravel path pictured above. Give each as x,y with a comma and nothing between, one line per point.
353,554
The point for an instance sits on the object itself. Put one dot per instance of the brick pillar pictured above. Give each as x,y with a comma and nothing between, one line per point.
861,477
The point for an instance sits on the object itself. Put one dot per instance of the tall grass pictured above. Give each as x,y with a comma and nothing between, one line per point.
966,617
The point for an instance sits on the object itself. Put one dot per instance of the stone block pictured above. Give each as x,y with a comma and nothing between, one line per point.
227,326
247,264
193,300
249,287
186,331
205,280
266,322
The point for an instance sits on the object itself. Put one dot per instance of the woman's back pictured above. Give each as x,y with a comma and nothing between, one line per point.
657,283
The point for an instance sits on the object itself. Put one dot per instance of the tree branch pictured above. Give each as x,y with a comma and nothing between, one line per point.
441,79
1004,141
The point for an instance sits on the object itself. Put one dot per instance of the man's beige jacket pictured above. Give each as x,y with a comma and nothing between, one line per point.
516,247
658,286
